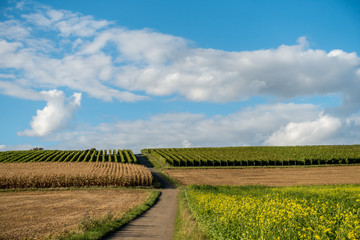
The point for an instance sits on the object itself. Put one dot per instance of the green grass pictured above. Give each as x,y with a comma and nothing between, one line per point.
258,212
186,226
154,161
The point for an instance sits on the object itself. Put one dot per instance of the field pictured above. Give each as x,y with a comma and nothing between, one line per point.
257,212
256,156
93,206
240,211
269,176
90,155
69,174
57,211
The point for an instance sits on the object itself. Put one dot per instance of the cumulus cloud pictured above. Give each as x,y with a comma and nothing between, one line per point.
111,62
278,124
251,126
315,132
220,76
43,48
55,115
79,73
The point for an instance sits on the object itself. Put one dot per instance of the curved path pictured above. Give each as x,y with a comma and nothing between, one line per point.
158,222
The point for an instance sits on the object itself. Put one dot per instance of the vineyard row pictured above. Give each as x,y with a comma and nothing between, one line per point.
121,156
257,156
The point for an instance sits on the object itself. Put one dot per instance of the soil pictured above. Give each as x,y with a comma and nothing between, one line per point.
33,214
268,176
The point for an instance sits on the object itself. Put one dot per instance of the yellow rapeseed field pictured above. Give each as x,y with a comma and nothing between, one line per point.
323,212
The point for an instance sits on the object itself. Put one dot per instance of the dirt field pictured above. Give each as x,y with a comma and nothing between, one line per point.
37,213
268,176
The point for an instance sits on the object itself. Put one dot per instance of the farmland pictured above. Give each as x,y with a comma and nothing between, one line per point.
70,174
274,176
79,192
55,212
219,209
90,155
256,156
257,212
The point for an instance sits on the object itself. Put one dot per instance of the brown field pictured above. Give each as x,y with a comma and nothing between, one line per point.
34,214
84,174
268,176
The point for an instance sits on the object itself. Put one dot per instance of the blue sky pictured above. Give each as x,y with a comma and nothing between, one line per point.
138,74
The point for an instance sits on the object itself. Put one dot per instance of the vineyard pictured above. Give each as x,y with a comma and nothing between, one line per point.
256,212
90,155
54,174
256,156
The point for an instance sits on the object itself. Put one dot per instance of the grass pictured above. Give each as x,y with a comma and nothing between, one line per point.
186,227
98,228
159,168
156,163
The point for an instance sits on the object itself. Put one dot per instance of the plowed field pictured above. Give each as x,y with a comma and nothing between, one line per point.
268,176
33,214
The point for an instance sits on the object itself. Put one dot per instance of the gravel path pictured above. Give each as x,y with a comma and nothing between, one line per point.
158,222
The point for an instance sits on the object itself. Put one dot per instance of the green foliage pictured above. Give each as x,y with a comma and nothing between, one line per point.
257,156
124,156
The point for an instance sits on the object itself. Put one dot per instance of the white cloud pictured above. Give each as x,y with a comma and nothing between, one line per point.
251,126
16,147
220,76
11,89
38,19
47,48
186,144
77,72
110,62
13,29
66,22
7,76
278,124
55,114
354,119
315,132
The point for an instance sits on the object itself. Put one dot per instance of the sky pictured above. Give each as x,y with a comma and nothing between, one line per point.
146,74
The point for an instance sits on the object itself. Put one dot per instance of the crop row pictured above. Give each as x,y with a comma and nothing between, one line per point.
70,174
91,155
257,156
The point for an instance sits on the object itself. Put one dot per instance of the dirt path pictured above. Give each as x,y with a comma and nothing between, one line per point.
158,222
